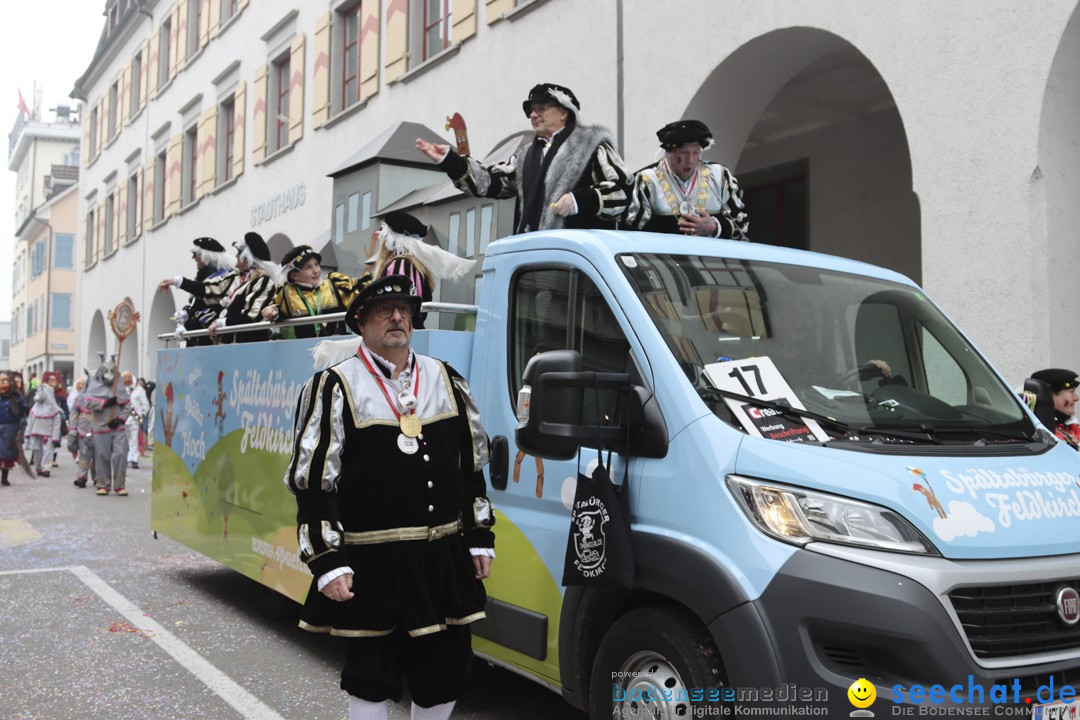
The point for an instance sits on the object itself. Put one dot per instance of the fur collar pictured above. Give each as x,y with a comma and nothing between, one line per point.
569,164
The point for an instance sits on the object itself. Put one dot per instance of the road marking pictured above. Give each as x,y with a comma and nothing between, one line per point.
221,684
17,532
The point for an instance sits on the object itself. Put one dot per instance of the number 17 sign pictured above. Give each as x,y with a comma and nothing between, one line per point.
758,378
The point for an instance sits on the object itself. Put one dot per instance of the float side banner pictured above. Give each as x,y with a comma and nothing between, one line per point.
222,440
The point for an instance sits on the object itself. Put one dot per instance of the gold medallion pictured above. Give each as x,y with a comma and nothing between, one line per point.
410,425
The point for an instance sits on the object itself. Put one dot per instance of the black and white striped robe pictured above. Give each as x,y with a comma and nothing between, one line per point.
650,208
247,305
349,476
582,160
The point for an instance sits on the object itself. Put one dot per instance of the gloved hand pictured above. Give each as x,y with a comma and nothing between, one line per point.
115,423
181,316
109,402
179,333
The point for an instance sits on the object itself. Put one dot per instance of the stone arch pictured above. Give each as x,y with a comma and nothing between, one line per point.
1055,214
279,244
98,342
158,323
815,116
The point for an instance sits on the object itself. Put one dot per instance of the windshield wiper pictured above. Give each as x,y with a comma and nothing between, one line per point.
976,430
838,425
786,410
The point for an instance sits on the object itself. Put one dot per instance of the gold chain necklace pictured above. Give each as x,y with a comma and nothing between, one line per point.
703,173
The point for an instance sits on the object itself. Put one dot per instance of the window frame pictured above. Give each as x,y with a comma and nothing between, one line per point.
189,166
226,133
349,15
164,48
136,84
444,36
133,221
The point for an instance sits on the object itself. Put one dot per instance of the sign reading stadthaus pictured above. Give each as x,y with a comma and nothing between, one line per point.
278,205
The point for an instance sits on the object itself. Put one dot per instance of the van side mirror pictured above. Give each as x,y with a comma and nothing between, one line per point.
550,411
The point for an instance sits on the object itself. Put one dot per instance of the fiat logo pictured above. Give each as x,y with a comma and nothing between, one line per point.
1068,605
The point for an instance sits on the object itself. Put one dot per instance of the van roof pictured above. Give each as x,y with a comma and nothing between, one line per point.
602,245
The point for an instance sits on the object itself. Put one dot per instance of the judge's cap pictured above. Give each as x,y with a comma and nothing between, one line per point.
388,287
404,223
1057,378
296,257
255,245
552,94
681,132
208,244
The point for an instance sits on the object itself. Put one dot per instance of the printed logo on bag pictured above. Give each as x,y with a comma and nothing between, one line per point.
590,517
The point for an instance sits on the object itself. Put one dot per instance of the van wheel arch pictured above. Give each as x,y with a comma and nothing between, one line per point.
649,651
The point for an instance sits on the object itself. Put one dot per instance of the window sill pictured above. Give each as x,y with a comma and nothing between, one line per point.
133,118
162,88
192,58
132,241
347,112
522,10
276,154
184,209
89,265
431,62
110,142
159,224
225,185
108,255
229,23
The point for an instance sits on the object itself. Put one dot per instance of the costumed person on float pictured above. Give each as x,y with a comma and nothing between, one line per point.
211,263
683,193
12,410
307,293
109,409
43,428
404,250
393,518
1063,384
570,175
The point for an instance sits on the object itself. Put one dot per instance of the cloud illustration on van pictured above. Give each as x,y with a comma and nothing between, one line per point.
963,521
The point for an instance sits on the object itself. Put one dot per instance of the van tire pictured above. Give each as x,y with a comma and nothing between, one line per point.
668,648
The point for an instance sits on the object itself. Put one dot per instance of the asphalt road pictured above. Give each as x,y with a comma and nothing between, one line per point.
101,621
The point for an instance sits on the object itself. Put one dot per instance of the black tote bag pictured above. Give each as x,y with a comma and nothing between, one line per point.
599,551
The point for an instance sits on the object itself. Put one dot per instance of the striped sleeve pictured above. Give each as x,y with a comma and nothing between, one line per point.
477,180
609,194
639,208
257,295
314,472
735,223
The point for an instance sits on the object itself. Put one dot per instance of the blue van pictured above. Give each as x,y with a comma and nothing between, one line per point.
827,483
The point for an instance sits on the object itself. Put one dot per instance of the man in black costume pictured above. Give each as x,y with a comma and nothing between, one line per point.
393,520
569,176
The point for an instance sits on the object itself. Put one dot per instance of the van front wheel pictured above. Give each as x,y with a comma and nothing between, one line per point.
654,662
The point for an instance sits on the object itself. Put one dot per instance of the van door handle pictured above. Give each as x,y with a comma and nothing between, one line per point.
499,467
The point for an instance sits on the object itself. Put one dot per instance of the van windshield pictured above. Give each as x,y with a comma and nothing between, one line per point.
868,353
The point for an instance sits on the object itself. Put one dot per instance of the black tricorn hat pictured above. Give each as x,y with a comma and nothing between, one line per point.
552,94
404,223
209,244
1057,378
256,245
388,287
297,256
680,132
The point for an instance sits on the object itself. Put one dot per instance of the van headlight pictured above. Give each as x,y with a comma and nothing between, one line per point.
800,516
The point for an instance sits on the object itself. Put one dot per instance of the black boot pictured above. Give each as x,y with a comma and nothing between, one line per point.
80,482
3,477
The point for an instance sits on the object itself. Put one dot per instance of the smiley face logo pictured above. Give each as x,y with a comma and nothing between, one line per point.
862,693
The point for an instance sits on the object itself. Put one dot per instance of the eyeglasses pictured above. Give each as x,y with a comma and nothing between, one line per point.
538,108
385,310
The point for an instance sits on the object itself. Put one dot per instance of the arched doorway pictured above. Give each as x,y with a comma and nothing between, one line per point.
158,323
1054,211
97,344
279,244
819,146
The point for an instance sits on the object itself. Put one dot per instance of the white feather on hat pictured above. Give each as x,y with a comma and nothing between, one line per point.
438,262
567,103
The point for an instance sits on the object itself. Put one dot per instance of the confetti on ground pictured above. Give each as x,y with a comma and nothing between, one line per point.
125,626
81,598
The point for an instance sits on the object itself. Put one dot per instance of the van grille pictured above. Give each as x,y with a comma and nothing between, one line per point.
1009,620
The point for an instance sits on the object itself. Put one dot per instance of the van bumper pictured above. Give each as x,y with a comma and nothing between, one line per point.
824,622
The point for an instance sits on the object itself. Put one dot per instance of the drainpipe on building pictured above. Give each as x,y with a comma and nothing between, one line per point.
48,289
